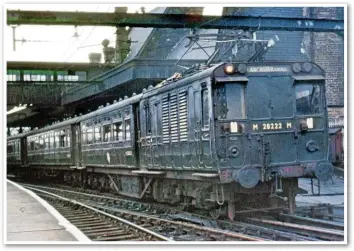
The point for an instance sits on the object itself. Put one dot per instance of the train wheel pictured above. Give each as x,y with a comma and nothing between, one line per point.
215,213
219,211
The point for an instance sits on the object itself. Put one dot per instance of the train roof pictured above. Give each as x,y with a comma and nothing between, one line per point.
146,93
117,105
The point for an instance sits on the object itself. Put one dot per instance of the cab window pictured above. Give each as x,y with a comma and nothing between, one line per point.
230,100
308,99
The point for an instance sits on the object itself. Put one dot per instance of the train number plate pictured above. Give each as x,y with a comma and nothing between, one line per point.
272,126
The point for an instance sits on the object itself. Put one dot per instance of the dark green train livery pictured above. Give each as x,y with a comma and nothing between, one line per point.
217,138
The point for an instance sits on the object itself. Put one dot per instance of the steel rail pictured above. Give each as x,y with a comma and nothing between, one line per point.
237,226
160,237
321,223
328,233
208,229
185,225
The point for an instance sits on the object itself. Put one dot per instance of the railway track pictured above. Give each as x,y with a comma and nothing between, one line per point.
323,211
305,230
247,229
98,226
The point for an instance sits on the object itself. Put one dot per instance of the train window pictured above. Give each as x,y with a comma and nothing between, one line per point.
308,99
46,141
97,134
106,133
83,136
29,143
89,135
17,147
118,131
10,148
147,119
68,139
205,108
157,121
62,141
127,130
41,142
62,138
230,100
51,140
165,113
36,144
56,138
13,75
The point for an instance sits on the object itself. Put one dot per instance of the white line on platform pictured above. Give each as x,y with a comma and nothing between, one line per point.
61,220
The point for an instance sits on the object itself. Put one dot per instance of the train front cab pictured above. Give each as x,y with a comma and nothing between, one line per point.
271,126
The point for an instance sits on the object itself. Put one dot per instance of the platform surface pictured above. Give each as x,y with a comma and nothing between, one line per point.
28,220
331,192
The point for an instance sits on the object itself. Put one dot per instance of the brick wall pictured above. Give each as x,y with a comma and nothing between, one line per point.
327,50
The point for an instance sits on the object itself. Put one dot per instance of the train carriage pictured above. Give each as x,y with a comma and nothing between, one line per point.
210,139
13,152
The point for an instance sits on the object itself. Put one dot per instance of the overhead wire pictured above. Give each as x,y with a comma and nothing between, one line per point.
151,49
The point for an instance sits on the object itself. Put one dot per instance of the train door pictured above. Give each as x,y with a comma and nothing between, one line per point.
199,120
156,140
137,133
230,125
310,114
151,148
145,138
76,145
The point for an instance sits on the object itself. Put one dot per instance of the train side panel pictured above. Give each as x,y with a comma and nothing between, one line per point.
107,140
50,148
175,128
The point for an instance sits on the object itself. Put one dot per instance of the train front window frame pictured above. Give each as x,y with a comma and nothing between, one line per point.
310,94
228,107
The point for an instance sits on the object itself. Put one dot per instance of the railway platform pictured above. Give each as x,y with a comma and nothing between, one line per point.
331,191
31,219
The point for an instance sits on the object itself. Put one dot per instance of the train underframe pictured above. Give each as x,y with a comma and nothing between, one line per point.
219,199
